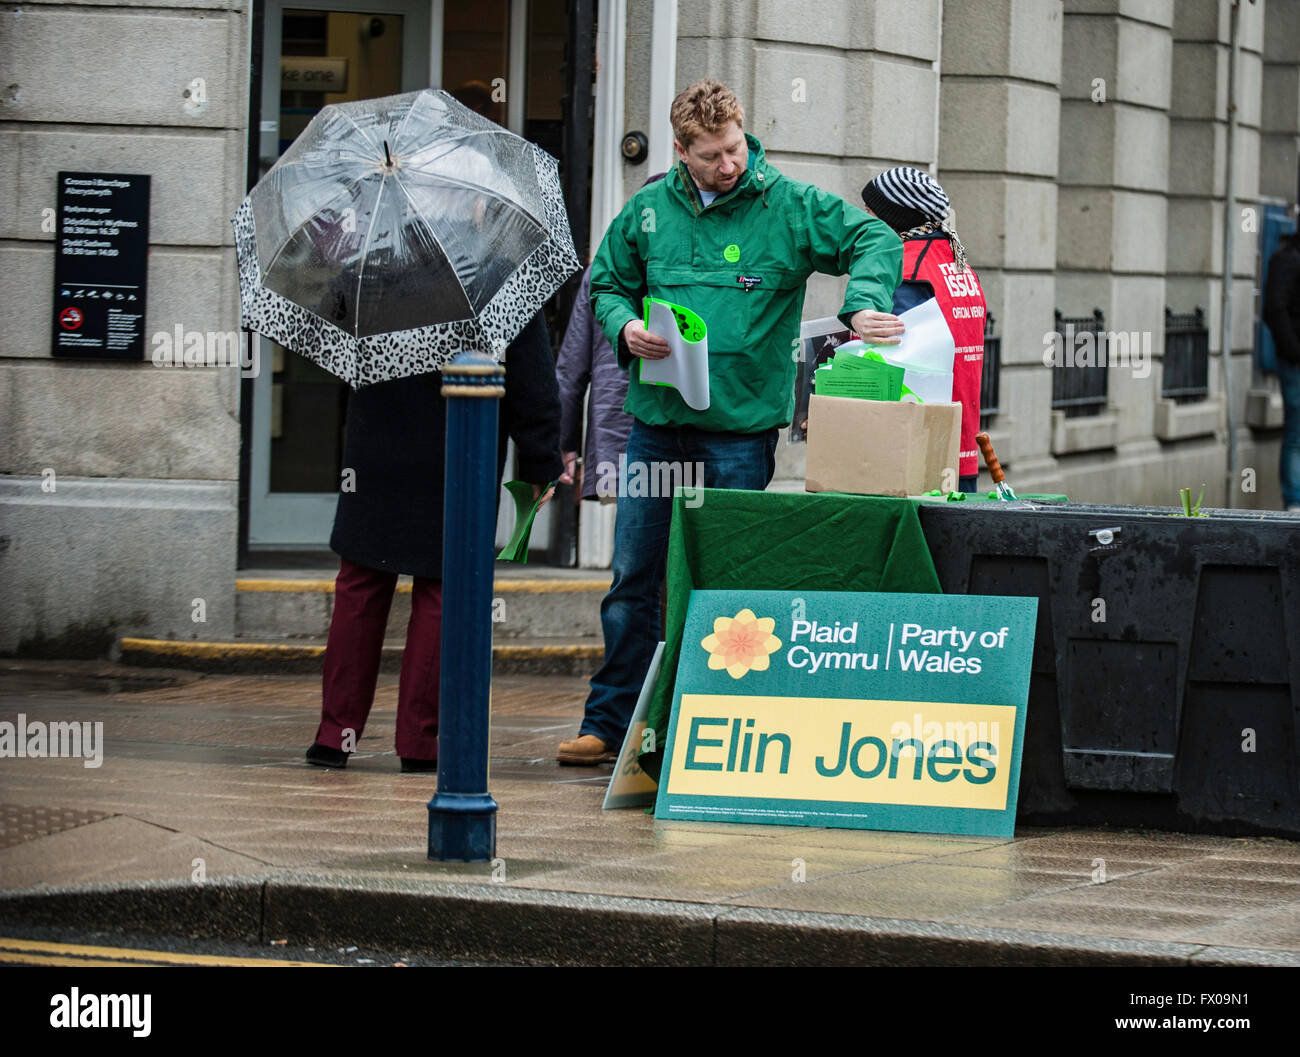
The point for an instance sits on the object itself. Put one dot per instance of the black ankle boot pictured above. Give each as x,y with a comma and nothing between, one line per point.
324,756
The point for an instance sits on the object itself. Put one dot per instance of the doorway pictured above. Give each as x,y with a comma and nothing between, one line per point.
318,52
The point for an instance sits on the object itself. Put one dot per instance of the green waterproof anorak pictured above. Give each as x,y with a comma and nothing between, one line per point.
740,264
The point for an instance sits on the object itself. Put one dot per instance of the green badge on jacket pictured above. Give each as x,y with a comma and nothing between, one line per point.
732,253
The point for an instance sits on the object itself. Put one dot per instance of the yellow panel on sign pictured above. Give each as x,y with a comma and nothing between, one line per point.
932,753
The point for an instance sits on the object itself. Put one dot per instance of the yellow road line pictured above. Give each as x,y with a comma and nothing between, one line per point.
76,950
85,963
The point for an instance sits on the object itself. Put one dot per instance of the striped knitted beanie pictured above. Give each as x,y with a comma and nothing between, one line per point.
913,204
905,197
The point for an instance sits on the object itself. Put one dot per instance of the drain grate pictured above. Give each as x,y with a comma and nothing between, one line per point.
19,823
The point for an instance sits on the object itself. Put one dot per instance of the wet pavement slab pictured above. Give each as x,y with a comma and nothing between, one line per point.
195,806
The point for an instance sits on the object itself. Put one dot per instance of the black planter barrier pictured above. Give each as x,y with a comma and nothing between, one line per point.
1166,674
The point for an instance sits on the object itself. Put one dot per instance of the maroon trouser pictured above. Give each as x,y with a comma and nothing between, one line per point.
362,598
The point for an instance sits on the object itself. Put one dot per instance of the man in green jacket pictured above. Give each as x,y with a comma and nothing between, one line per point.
726,236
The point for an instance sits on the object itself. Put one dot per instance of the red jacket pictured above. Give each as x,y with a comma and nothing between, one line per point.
961,300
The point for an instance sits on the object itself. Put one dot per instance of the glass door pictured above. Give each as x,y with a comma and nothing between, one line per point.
316,54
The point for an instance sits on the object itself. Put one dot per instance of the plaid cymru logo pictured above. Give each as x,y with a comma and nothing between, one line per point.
741,644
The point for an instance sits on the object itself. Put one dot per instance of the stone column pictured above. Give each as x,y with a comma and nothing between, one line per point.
1279,153
999,118
1111,227
1197,167
836,91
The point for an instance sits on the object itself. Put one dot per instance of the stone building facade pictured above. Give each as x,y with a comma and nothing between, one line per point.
1084,144
120,480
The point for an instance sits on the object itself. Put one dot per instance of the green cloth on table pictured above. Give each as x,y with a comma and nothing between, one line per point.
777,541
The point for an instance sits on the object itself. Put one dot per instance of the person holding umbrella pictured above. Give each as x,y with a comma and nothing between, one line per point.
391,236
390,521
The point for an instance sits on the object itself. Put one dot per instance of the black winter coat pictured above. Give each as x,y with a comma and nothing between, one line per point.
394,443
1282,300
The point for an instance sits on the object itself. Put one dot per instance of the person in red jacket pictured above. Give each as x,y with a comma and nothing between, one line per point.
934,265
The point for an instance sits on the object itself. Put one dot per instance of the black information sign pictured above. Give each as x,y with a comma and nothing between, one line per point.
101,256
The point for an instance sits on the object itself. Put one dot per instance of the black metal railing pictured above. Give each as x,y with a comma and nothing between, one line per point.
991,373
1079,377
1187,356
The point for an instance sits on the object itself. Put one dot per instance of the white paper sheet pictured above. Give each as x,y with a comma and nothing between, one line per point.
926,353
630,786
686,368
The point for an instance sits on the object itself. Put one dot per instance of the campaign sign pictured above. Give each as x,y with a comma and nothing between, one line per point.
847,709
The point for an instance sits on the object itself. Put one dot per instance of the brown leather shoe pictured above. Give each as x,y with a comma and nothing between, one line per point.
586,751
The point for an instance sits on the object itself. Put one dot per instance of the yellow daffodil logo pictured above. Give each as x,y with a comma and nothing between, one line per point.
741,644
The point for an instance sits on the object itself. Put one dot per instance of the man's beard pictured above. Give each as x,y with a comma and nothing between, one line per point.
713,188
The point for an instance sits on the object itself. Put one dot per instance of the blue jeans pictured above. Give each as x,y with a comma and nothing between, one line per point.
629,615
1288,375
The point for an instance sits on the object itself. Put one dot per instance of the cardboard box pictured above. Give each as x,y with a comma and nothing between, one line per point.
877,447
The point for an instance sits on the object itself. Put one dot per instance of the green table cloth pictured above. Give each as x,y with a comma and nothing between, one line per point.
777,541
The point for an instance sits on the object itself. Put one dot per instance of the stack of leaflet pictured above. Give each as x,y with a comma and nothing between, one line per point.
924,354
858,370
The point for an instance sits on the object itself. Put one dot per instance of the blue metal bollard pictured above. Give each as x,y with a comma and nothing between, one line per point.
462,814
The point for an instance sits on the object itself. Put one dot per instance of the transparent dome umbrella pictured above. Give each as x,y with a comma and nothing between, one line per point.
397,232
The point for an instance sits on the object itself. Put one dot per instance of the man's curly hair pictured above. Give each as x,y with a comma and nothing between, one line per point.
707,106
